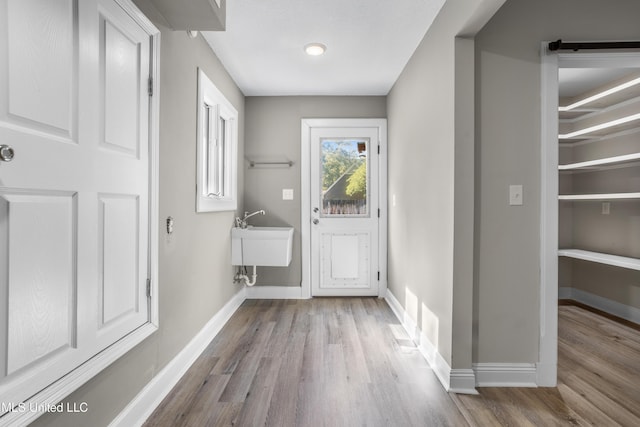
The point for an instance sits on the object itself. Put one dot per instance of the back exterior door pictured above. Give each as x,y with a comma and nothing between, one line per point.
345,203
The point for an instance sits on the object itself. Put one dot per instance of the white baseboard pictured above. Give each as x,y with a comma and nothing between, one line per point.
141,407
454,380
274,292
623,311
505,374
547,374
407,323
440,366
462,381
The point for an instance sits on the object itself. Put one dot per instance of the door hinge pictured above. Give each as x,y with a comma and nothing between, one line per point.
378,276
150,86
378,148
149,288
378,212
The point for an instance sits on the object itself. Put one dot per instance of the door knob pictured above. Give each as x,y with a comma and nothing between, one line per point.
6,153
316,221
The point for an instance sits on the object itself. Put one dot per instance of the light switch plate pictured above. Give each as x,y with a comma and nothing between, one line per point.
287,194
515,195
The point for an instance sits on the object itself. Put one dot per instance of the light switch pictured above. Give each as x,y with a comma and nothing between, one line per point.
515,195
287,194
606,208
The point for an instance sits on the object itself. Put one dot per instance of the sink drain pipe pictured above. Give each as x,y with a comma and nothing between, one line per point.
243,278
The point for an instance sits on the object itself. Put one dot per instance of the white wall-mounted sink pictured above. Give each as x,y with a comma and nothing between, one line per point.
266,246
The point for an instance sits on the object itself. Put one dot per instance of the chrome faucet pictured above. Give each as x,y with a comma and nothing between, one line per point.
242,223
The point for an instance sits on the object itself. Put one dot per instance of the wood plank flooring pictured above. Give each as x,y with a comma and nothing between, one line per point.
598,380
319,362
348,362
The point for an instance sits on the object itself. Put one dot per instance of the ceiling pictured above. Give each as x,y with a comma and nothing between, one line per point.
368,44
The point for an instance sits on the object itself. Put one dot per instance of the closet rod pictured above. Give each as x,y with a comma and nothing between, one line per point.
575,46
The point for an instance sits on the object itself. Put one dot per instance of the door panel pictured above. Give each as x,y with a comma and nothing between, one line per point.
121,76
120,265
123,166
41,274
50,42
40,206
344,202
345,260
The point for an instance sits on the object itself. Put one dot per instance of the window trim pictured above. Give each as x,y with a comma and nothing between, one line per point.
213,106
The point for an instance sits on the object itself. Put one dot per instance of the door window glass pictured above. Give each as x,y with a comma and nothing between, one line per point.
344,178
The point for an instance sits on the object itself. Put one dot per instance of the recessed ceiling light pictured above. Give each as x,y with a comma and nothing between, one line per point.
315,49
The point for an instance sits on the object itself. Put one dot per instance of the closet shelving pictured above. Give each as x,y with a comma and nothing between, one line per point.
598,117
599,164
615,260
597,197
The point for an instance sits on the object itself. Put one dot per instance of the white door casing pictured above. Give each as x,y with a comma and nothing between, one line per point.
344,241
78,200
551,62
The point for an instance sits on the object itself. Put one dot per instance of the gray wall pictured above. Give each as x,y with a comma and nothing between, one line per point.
508,152
430,110
195,266
273,129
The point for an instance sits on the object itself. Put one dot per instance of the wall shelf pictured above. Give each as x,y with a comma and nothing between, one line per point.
595,130
605,196
599,164
614,94
602,258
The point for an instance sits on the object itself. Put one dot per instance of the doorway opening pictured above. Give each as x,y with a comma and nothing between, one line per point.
590,197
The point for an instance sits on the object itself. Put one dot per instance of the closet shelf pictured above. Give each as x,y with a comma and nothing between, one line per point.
613,94
605,196
600,163
615,260
606,128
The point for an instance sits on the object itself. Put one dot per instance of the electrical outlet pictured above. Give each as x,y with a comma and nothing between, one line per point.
287,194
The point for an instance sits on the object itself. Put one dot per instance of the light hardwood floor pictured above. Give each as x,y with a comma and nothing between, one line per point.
598,380
348,362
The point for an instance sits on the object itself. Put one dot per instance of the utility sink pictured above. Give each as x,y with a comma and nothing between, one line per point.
266,246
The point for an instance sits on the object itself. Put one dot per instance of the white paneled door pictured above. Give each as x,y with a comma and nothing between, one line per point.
346,207
74,186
